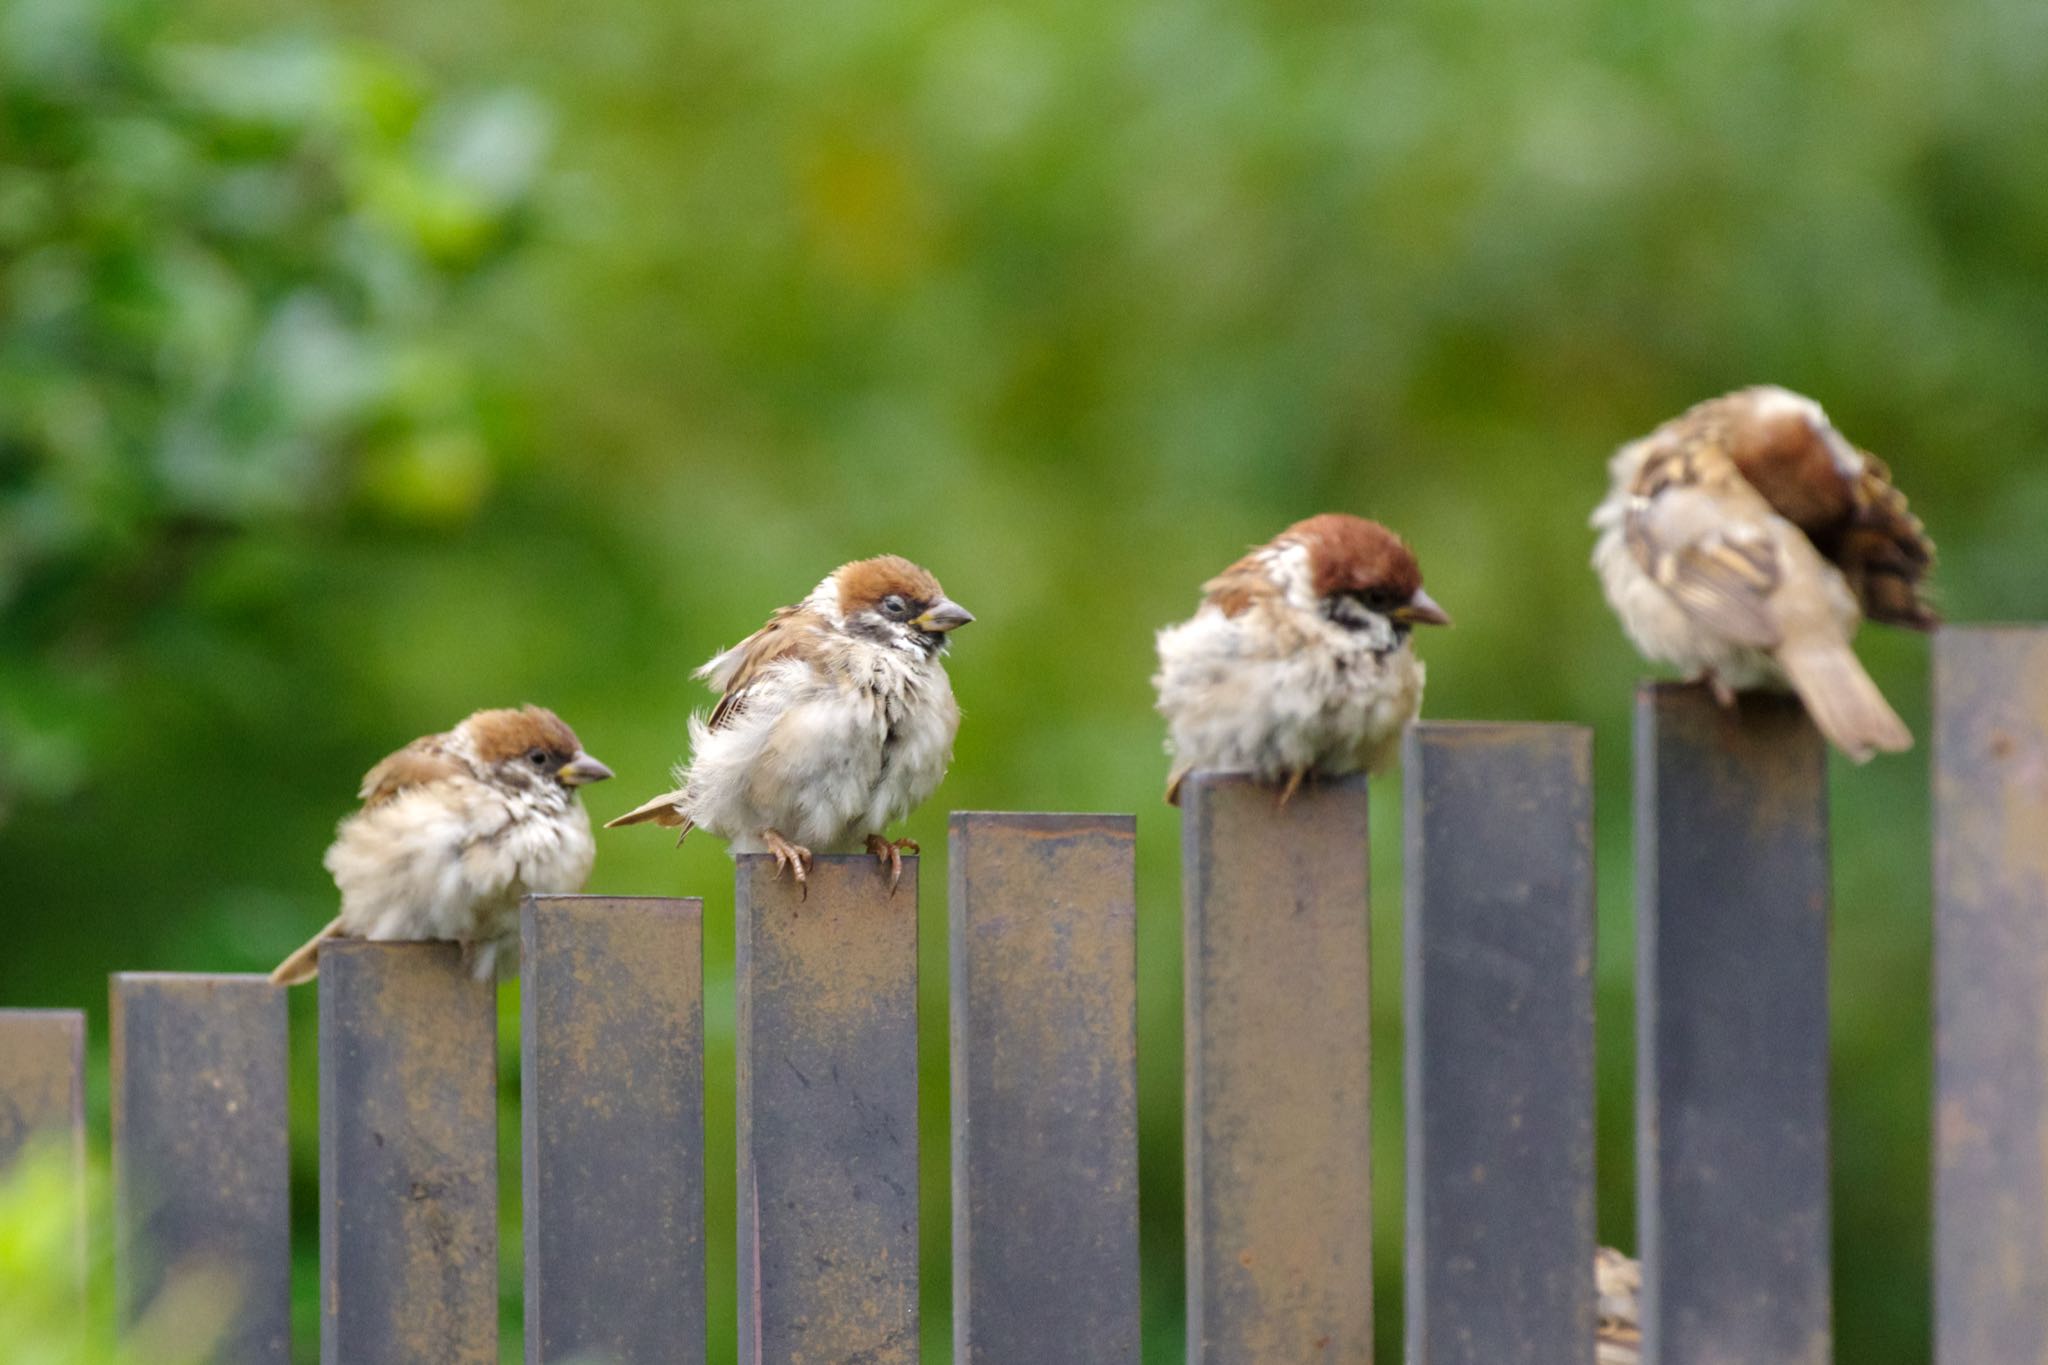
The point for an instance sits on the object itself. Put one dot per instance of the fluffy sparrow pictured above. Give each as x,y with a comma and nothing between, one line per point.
1298,661
455,828
1745,540
1618,1338
836,719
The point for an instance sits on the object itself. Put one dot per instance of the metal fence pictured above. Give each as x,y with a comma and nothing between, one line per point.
1732,1119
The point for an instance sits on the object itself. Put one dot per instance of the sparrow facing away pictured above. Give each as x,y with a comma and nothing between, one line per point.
836,719
455,828
1618,1336
1745,540
1298,661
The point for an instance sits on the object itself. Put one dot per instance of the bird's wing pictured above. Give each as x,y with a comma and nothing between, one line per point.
736,671
1703,535
1233,591
424,760
1886,553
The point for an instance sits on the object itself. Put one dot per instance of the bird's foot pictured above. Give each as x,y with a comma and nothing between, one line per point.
889,853
794,858
1724,695
1294,781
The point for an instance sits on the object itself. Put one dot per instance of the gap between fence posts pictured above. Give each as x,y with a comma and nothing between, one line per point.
1044,1061
408,1157
826,995
1732,1029
612,1106
1498,1005
1278,1071
202,1152
1991,982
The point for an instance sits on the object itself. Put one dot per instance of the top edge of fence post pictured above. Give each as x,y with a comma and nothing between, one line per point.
1048,822
682,904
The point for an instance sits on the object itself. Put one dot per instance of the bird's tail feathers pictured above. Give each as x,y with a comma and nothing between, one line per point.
666,809
304,964
1844,702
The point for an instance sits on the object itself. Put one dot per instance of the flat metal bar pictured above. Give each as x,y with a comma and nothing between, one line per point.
826,989
42,1100
202,1151
1499,1040
42,1081
1991,982
408,1157
1732,1029
612,1082
1279,1045
1043,950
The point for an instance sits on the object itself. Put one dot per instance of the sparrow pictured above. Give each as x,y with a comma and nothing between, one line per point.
1744,541
834,720
455,828
1298,660
1618,1333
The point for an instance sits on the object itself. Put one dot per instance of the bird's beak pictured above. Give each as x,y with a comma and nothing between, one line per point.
582,770
944,616
1422,610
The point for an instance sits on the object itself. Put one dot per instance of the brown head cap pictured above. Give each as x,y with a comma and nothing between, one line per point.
1352,556
502,734
865,582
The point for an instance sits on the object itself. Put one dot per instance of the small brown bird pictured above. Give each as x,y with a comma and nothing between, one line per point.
836,719
1298,661
1745,540
455,828
1618,1336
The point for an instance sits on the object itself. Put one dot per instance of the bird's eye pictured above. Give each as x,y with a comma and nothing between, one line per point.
894,605
538,758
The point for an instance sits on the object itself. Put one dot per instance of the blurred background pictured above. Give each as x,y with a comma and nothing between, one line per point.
364,363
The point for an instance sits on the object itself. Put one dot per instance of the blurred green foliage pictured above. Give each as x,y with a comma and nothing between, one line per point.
225,274
56,1294
1071,302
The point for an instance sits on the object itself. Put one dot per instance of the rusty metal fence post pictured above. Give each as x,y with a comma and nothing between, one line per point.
1044,1055
1279,1043
1732,1029
42,1099
612,1102
202,1153
1499,1044
826,988
408,1157
1991,993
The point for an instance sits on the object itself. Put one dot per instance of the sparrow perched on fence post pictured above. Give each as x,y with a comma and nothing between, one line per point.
1298,661
455,829
836,719
1744,541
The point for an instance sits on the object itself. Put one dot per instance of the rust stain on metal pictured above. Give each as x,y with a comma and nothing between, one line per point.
201,1147
613,1082
827,1107
409,1189
1991,976
1045,1213
1278,1071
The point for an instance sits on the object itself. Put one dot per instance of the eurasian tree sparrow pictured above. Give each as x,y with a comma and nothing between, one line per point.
455,828
836,720
1298,661
1618,1335
1743,542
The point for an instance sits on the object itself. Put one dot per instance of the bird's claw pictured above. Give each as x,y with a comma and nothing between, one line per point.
889,853
793,858
1287,792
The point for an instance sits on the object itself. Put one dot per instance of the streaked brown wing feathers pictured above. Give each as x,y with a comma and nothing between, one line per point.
418,763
